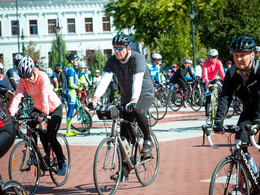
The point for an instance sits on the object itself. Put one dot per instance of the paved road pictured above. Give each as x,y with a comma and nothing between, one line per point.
185,166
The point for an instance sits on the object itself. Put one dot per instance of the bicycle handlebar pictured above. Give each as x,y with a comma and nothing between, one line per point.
233,129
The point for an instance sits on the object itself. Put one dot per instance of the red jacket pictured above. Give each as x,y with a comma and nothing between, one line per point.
210,71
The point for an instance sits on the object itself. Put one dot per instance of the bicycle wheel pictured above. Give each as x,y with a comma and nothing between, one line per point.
84,122
60,180
196,100
24,166
174,102
147,170
152,115
13,187
106,164
161,103
223,180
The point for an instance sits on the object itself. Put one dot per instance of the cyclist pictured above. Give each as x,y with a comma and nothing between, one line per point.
242,79
174,69
155,67
11,77
38,63
198,68
179,77
82,76
7,130
70,85
188,76
37,84
211,67
257,52
228,65
58,74
52,77
97,78
1,71
136,88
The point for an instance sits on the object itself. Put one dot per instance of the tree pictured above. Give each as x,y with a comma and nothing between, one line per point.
31,51
54,55
98,63
228,21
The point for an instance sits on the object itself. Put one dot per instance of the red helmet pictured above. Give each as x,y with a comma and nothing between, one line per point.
174,66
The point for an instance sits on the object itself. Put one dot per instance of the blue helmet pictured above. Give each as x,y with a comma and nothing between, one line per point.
122,39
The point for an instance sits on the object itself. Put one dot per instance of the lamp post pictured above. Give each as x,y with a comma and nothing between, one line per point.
17,27
58,28
22,37
192,16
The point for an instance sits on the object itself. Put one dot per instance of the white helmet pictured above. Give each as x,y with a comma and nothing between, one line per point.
156,56
1,66
81,64
213,52
48,70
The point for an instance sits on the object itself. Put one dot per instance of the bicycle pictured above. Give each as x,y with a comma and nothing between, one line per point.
81,119
234,172
176,97
161,100
112,152
27,164
11,187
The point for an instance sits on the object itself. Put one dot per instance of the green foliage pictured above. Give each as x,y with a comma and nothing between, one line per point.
98,63
31,51
224,23
54,55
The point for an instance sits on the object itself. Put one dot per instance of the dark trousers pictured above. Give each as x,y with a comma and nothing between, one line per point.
7,137
143,105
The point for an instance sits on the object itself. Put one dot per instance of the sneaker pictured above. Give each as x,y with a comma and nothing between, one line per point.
147,147
63,170
178,95
71,133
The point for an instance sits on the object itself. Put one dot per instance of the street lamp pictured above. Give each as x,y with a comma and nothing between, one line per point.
22,37
192,16
58,28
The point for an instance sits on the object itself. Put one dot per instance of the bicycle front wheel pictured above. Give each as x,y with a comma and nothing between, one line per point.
224,177
60,180
148,167
174,102
107,162
13,187
85,121
24,166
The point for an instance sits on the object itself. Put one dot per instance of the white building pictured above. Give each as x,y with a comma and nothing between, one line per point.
83,26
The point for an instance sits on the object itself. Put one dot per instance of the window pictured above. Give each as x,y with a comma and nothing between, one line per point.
15,27
108,52
89,56
88,25
106,23
0,29
71,25
51,26
33,27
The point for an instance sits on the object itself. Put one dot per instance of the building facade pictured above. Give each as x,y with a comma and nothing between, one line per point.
84,27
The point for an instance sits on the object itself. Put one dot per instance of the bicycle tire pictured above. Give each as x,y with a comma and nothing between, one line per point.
152,115
219,183
13,187
174,102
195,100
147,172
60,180
24,168
84,122
101,173
161,103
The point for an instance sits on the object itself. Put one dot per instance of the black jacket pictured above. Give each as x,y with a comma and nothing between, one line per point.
180,74
248,93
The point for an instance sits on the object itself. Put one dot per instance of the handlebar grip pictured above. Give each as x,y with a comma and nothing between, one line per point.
252,133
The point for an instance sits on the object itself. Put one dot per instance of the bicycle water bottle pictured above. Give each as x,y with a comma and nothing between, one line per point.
125,143
252,163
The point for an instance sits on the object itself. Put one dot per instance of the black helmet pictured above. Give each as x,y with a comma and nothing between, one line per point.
122,39
245,43
200,60
72,56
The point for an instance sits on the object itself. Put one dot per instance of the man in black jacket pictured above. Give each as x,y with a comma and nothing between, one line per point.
243,81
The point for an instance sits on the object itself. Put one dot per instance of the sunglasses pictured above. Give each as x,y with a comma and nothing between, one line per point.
118,48
213,57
